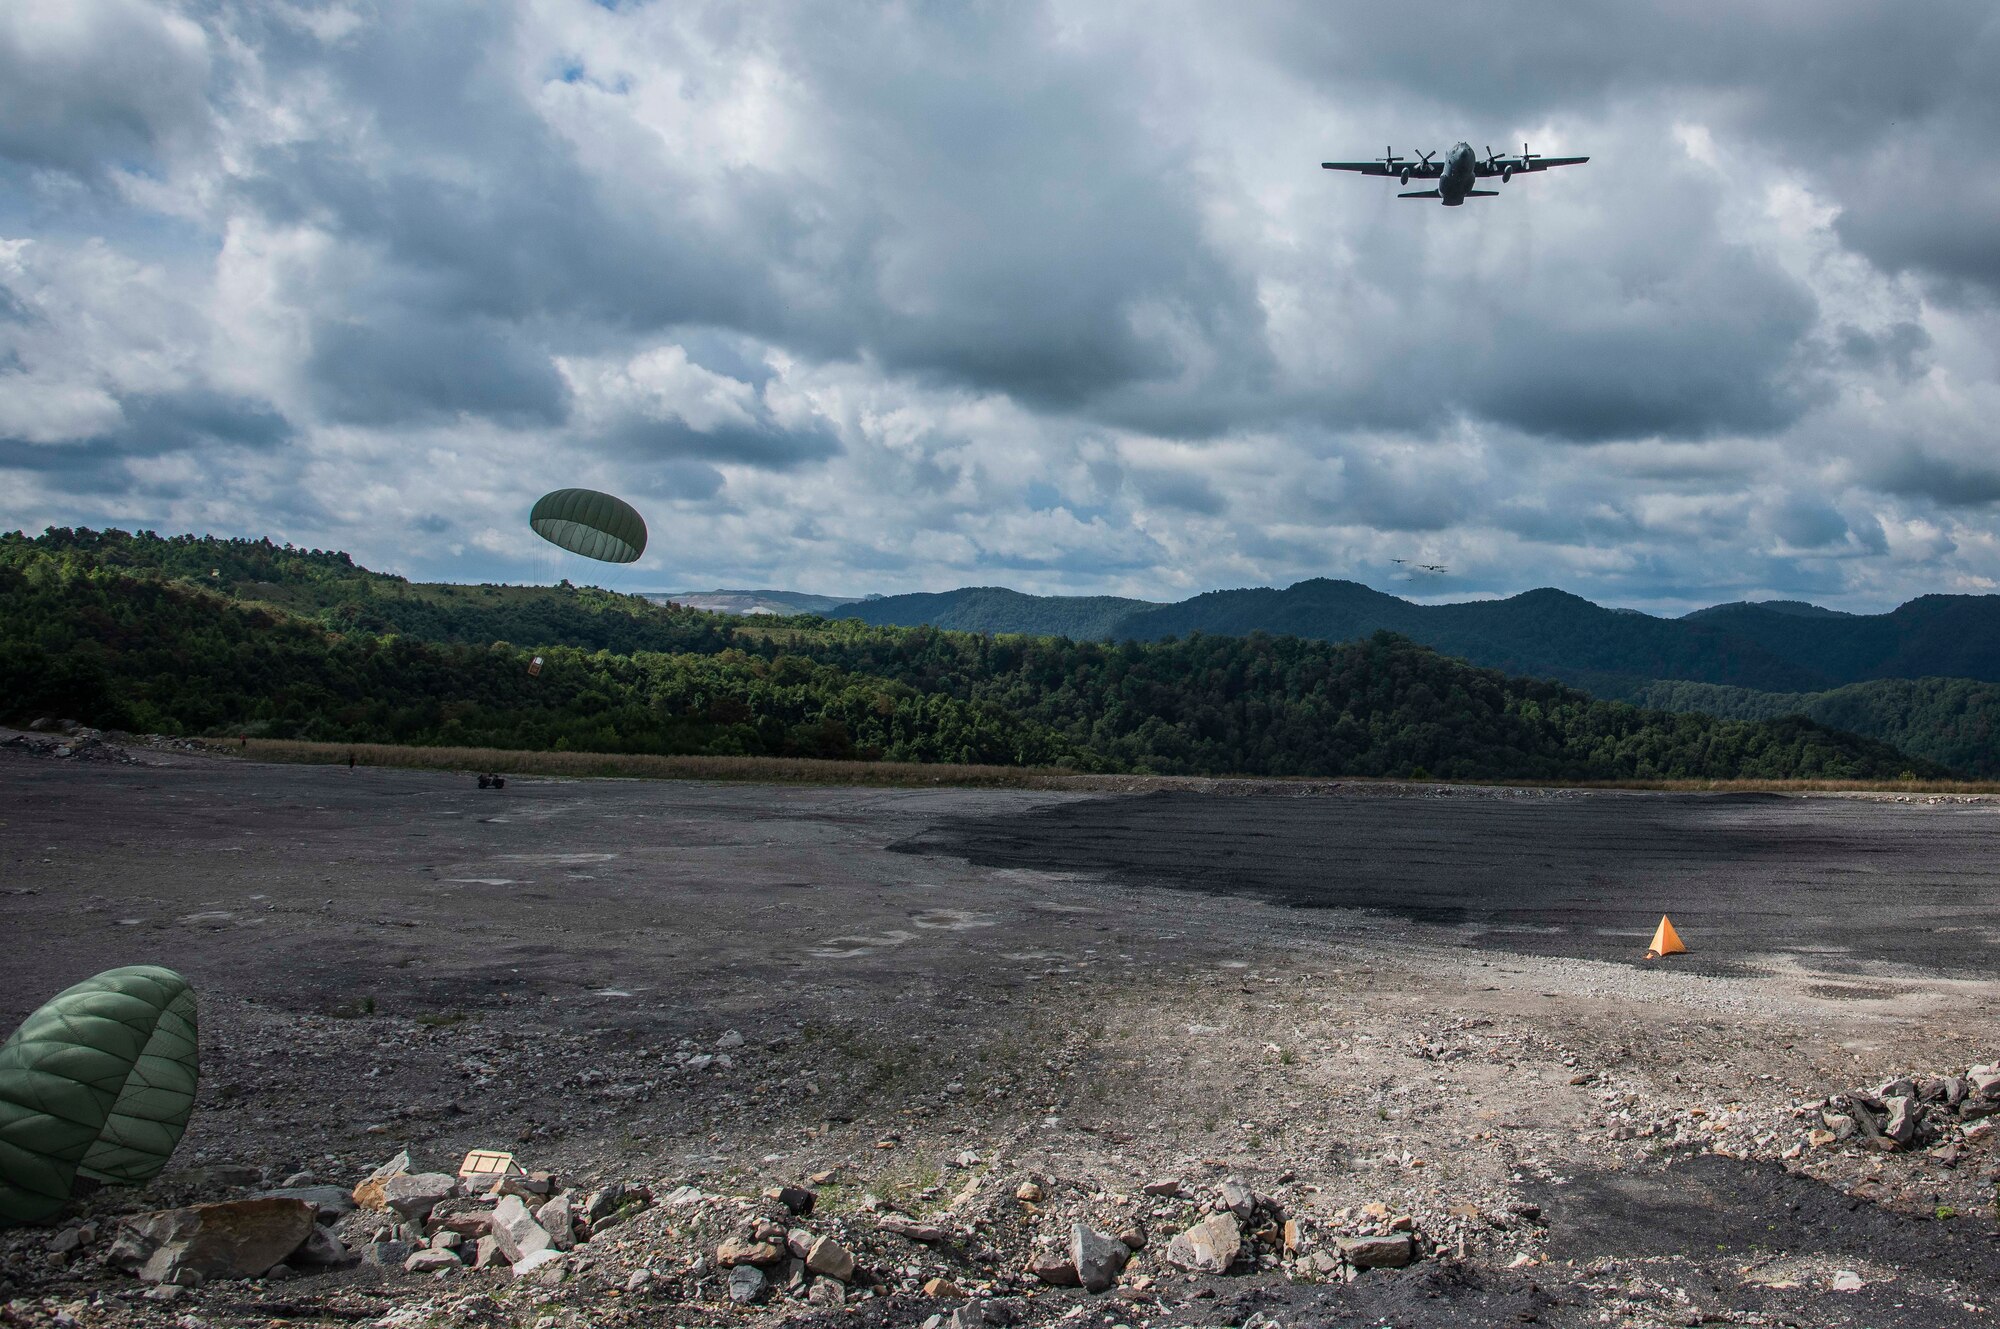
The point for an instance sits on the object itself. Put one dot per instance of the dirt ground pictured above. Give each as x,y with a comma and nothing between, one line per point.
945,995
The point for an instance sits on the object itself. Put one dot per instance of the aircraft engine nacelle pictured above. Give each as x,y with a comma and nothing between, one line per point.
1506,174
1404,176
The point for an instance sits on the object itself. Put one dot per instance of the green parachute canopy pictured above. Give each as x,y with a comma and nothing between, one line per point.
97,1083
586,522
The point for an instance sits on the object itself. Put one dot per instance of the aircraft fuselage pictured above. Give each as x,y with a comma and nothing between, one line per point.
1458,175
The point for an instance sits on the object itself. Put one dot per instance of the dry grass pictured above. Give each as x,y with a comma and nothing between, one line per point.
1802,786
799,770
761,770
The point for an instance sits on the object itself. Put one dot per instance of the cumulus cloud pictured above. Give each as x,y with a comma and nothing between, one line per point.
913,298
92,86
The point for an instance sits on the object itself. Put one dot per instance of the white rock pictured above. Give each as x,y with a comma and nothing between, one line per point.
544,1266
1209,1247
516,1232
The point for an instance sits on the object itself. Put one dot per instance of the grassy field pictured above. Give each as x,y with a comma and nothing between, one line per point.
797,770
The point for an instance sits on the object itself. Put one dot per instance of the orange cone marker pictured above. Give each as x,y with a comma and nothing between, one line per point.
1666,941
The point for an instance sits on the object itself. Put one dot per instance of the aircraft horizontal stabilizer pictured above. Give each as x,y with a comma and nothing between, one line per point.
1421,193
1482,193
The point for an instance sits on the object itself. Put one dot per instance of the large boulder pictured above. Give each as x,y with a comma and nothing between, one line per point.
234,1239
330,1203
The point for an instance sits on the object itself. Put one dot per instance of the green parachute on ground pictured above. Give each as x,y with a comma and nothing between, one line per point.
98,1083
586,522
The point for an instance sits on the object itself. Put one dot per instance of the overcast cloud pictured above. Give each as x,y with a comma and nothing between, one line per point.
1054,297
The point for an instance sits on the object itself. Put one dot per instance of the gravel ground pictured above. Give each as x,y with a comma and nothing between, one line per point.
945,995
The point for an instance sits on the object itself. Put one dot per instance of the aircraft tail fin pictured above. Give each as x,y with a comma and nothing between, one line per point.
1421,193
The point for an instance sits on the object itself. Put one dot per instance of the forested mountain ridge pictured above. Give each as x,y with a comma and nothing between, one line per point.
327,587
1952,721
194,636
1932,636
1545,633
979,608
1782,646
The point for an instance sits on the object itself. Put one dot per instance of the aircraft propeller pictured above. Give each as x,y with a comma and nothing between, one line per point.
1389,158
1527,156
1426,157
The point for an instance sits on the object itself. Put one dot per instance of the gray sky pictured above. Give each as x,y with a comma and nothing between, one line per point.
909,297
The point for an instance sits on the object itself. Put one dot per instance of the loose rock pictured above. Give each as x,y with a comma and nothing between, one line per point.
903,1226
368,1195
544,1266
1209,1247
414,1195
1053,1269
516,1232
386,1254
736,1251
429,1262
746,1284
1238,1198
1378,1252
797,1199
1098,1257
320,1250
557,1221
829,1257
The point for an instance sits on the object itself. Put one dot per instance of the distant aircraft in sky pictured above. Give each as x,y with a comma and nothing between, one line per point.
1454,176
1434,567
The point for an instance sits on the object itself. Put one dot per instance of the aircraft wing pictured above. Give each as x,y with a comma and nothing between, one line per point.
1543,163
1364,168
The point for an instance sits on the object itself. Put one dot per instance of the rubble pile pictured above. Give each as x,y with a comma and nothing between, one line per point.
1938,1112
82,745
779,1247
67,739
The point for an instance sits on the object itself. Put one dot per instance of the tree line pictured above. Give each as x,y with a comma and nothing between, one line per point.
204,636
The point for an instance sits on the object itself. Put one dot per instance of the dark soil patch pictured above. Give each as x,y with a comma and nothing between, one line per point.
1846,883
1724,1214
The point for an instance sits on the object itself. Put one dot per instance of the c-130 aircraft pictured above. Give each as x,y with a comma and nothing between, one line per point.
1454,176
